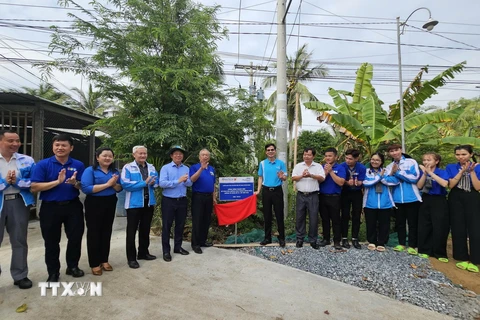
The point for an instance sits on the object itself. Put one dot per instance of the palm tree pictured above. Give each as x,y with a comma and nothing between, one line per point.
47,91
91,102
298,69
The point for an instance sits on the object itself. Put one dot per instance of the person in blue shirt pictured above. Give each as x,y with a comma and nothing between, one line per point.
433,220
139,178
58,180
378,202
351,198
330,190
174,180
15,200
464,207
271,174
202,175
100,184
406,196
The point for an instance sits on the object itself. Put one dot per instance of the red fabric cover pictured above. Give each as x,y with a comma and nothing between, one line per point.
233,212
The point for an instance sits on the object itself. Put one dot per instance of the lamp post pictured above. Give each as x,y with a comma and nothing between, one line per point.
429,25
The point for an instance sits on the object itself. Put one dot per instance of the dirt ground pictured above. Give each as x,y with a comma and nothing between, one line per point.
469,280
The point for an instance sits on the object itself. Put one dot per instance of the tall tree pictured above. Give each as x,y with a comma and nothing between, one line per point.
166,73
299,69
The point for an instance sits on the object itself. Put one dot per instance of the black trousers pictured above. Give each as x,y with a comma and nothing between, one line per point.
99,216
202,206
273,197
307,203
407,212
330,211
52,216
173,209
141,219
351,200
378,225
464,210
433,226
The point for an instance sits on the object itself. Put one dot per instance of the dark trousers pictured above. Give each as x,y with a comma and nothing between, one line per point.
307,203
407,212
141,219
465,222
52,216
173,209
378,225
99,215
273,197
330,211
433,226
202,205
351,200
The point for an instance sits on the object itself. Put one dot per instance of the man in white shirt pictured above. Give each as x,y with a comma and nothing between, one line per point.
307,175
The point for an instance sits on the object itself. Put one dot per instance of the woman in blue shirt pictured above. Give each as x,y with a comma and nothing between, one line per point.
464,207
100,184
433,220
378,202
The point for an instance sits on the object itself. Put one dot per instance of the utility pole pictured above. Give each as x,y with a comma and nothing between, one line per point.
251,70
282,120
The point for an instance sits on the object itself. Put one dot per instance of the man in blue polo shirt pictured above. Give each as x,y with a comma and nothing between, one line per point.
203,197
330,190
58,180
174,180
271,173
352,196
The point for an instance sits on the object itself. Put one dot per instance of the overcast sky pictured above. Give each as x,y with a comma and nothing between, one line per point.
342,34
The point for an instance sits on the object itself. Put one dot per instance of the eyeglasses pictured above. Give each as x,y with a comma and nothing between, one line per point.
270,150
375,160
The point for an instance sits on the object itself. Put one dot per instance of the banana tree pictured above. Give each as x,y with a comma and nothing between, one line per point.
360,117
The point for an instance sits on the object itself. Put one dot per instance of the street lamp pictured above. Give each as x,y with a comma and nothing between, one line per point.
429,25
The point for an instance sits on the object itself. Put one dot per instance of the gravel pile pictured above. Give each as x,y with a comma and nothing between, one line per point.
397,275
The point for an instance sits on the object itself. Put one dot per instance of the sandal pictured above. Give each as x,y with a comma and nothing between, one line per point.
423,255
462,265
399,248
412,251
472,268
445,260
381,249
371,247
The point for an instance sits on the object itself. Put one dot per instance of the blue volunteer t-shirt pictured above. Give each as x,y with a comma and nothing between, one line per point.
91,177
206,181
329,186
437,189
47,170
358,172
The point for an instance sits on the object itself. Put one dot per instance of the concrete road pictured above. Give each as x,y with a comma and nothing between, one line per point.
219,284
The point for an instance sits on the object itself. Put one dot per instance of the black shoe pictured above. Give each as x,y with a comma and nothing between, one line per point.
167,257
147,257
299,244
24,283
53,277
265,242
324,243
337,246
75,272
182,251
345,243
356,244
314,245
282,243
207,244
133,264
197,250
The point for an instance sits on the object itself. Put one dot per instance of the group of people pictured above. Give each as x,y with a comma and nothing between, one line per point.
416,195
59,180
